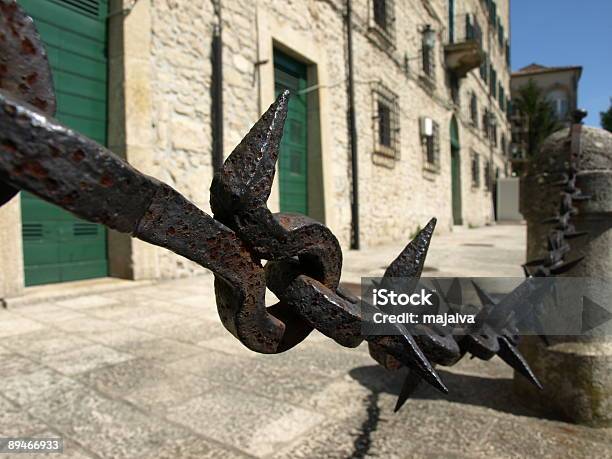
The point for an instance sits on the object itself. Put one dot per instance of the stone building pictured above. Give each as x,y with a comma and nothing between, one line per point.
430,80
560,87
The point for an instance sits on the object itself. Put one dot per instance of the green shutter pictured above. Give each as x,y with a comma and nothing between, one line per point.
57,246
293,159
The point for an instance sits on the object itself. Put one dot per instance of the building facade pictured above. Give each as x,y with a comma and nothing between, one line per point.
430,80
558,84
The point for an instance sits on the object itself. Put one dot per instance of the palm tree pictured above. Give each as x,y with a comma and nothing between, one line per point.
606,118
538,115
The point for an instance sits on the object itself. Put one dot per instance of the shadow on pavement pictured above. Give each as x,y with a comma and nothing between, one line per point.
493,393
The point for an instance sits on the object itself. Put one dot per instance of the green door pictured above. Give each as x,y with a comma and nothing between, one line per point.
57,246
293,159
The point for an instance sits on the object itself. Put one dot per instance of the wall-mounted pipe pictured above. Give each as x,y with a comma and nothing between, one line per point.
217,91
352,131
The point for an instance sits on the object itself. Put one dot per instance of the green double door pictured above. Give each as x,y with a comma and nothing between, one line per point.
57,246
293,158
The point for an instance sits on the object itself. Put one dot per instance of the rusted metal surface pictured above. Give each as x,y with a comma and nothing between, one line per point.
303,257
24,68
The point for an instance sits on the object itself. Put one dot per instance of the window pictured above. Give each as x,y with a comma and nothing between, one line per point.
501,96
386,122
487,175
428,51
484,68
475,170
383,18
474,110
493,82
500,35
380,13
472,29
559,102
507,53
485,123
493,132
430,139
454,89
504,145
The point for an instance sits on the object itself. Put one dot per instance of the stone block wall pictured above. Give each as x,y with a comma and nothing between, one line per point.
397,196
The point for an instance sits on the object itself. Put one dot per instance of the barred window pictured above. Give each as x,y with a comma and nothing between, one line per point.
383,15
474,110
429,63
430,139
386,121
475,169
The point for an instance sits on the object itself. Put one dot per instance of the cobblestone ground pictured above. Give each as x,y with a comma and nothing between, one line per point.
150,372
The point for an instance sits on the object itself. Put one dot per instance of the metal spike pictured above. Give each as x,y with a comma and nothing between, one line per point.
411,383
510,354
248,172
484,297
565,266
405,349
409,263
454,294
575,234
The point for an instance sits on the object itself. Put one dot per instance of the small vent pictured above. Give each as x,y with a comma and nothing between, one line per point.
85,229
31,231
88,7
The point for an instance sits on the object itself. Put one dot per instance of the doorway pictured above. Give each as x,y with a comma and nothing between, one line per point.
455,173
293,157
57,246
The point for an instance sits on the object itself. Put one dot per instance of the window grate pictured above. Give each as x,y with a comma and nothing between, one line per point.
382,19
386,122
87,7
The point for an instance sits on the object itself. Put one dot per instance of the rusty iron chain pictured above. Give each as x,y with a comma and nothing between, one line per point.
303,257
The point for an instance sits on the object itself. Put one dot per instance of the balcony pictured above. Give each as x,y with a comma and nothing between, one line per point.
463,56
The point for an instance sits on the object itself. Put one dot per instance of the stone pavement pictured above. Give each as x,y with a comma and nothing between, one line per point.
150,372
